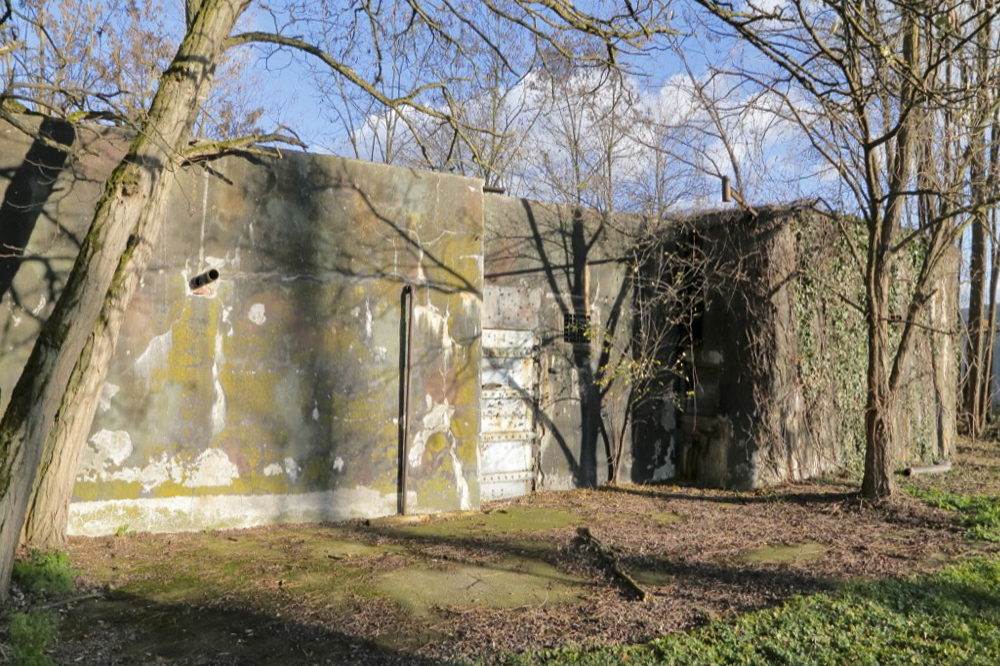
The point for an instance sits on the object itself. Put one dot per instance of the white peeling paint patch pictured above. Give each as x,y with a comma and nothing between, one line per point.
156,354
212,467
430,318
108,393
437,419
274,469
155,473
219,406
471,302
664,472
381,353
369,320
292,469
106,447
226,312
338,464
193,513
315,412
256,314
421,277
461,485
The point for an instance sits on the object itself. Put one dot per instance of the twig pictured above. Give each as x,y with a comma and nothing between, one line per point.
67,602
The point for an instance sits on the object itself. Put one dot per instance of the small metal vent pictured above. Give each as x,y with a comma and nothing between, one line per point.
576,329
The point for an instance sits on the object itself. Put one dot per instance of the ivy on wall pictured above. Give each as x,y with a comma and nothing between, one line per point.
832,339
832,344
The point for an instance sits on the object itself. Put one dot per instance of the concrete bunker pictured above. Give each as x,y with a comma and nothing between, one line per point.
262,371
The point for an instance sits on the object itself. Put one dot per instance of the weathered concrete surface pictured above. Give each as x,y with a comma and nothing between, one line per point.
280,383
272,393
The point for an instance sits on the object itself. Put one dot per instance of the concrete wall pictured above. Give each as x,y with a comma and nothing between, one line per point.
272,394
46,202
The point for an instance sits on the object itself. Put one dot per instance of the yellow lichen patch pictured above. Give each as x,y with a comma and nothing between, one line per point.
87,491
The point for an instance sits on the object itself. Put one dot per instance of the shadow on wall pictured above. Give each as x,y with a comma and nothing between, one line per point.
357,278
573,262
284,372
31,185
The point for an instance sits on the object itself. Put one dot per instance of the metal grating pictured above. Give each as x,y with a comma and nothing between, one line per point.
576,329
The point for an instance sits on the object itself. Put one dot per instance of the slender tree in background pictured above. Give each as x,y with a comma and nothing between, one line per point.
981,71
53,403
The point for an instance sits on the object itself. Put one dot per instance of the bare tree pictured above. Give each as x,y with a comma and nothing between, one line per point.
489,95
102,60
869,85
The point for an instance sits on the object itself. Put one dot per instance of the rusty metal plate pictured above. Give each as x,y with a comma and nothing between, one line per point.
510,307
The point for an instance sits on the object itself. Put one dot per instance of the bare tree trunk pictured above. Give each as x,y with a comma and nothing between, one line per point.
877,481
879,432
976,326
992,176
60,385
978,76
47,512
986,397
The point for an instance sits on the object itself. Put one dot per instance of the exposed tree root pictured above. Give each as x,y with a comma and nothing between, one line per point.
611,560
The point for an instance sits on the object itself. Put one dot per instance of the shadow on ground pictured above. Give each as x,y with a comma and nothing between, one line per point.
122,628
484,585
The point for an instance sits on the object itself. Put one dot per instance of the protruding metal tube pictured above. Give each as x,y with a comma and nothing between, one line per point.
206,278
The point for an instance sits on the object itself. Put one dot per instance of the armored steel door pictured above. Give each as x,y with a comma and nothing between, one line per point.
509,388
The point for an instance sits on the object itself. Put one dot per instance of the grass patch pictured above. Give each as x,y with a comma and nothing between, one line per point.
980,514
44,572
950,617
30,635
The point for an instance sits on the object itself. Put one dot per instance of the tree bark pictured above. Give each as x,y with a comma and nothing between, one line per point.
989,343
55,399
976,327
47,512
877,481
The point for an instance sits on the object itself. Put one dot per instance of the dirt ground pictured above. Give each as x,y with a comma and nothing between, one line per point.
517,576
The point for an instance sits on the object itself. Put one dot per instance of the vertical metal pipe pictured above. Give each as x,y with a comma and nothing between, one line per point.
405,367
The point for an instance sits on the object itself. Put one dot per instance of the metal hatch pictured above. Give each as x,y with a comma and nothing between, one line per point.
509,392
